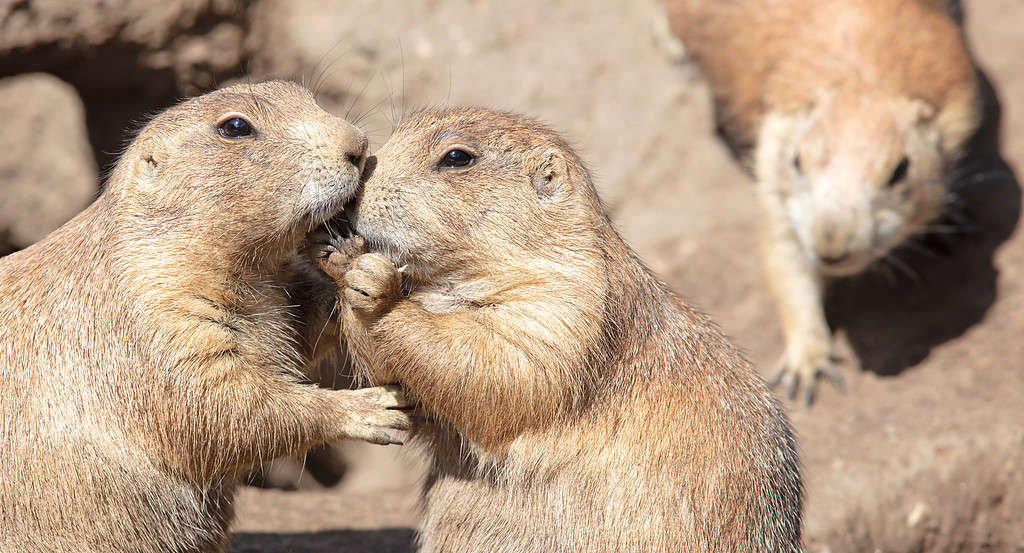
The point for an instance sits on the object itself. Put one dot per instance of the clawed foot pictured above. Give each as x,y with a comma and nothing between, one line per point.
375,415
372,284
334,254
795,369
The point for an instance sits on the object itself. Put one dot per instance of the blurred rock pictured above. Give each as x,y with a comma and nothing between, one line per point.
103,45
47,172
127,58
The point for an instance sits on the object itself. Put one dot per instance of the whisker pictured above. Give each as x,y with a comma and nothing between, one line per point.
401,51
368,111
359,95
983,176
898,263
391,99
916,247
334,310
318,80
885,270
944,229
448,98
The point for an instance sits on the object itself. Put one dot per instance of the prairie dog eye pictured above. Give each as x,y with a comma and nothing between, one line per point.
797,165
456,157
235,126
900,172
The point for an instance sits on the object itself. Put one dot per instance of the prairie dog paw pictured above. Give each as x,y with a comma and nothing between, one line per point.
803,366
372,284
334,254
377,415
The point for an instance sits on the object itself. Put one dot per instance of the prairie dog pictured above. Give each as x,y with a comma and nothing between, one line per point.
150,352
849,115
576,403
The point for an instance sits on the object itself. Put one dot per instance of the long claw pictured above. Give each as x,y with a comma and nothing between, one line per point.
776,377
803,377
808,395
792,383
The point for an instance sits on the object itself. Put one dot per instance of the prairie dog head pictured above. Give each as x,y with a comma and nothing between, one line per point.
856,174
249,168
460,192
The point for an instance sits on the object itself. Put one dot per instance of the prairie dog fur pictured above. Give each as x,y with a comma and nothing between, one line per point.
576,404
850,116
150,352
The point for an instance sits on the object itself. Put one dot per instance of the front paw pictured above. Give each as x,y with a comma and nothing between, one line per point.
802,364
372,285
376,415
334,254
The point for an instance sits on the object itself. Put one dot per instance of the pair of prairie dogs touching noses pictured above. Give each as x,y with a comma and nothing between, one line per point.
154,346
572,402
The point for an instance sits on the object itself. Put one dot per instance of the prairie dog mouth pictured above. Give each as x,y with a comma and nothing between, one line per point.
340,225
847,265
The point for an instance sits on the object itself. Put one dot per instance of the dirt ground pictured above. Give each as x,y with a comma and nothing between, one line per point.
924,452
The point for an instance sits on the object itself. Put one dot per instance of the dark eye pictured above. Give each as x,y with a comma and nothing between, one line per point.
235,127
900,172
796,164
456,158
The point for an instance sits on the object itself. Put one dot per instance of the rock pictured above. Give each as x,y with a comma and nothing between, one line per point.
192,43
47,170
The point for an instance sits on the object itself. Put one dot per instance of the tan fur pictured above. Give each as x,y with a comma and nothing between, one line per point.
824,100
150,352
576,404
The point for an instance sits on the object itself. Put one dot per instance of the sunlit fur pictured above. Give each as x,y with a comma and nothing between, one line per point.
577,403
149,349
822,100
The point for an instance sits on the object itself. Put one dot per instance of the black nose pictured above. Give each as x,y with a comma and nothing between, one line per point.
357,154
371,164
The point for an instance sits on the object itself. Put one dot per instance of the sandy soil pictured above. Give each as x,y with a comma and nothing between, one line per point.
924,452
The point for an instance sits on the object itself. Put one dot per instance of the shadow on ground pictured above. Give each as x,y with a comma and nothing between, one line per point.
940,284
387,540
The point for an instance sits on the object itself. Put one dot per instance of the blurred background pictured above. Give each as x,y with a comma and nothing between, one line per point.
923,452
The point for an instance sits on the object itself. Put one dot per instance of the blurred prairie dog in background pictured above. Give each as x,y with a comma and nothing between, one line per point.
149,351
850,116
574,402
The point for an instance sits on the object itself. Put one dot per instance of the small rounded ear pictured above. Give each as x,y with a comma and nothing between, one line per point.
551,178
146,163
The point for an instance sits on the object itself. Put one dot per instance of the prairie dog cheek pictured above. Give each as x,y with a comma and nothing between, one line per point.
889,227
